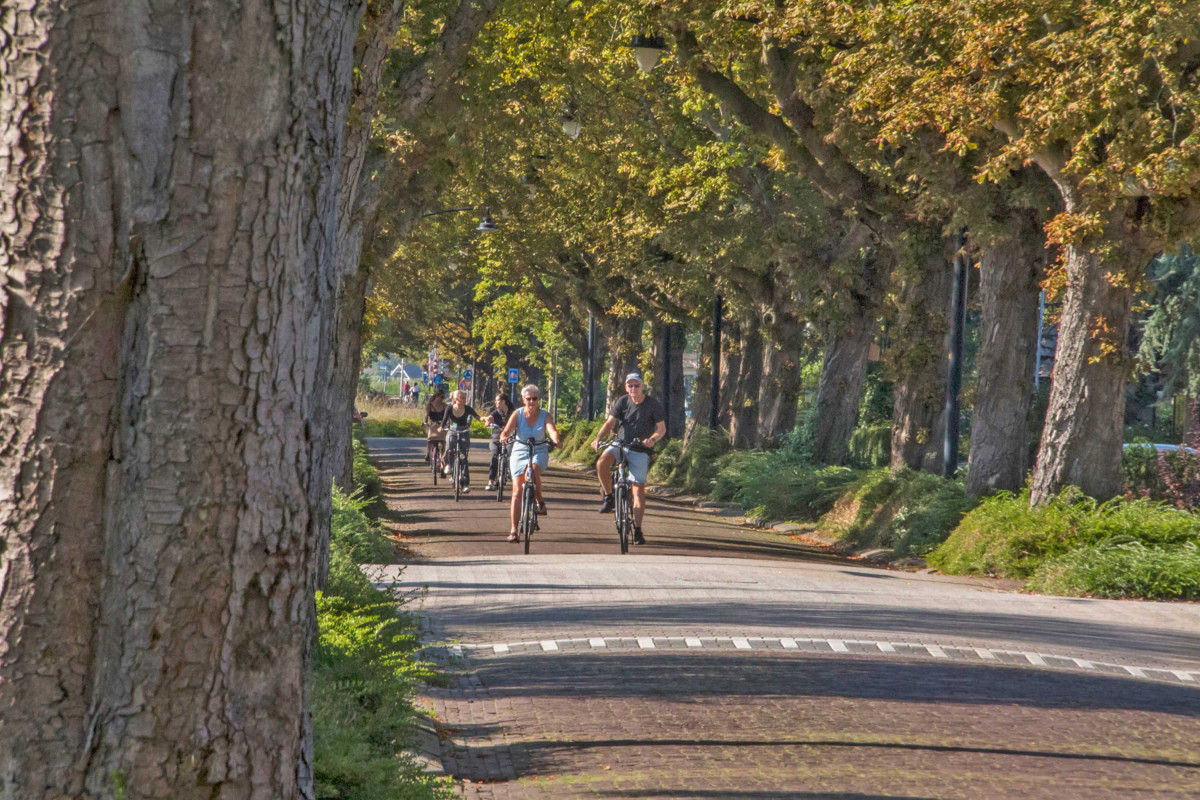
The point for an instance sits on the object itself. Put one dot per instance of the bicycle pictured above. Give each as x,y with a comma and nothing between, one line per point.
458,459
622,486
529,514
436,456
501,470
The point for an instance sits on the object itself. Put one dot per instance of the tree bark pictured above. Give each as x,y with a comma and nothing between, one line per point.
743,420
839,392
1009,275
701,388
918,356
168,281
779,393
675,408
624,353
1083,432
731,370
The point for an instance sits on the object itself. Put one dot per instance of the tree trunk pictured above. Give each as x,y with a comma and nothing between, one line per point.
1082,435
624,354
918,357
673,359
169,276
743,421
839,392
701,389
779,394
731,370
1009,272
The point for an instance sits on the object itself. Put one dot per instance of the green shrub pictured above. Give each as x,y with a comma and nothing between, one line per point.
351,529
870,446
1004,536
1139,462
909,512
697,468
1131,569
666,459
367,483
411,427
779,484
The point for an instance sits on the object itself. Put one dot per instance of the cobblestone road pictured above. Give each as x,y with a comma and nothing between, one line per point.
744,716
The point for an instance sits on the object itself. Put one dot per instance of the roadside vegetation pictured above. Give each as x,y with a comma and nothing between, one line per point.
366,671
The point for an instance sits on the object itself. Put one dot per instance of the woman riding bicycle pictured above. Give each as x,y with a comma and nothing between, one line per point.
529,423
435,409
496,421
457,420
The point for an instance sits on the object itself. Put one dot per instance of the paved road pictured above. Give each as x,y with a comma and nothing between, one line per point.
723,662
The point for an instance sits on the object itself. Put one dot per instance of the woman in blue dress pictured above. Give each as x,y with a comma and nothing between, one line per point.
530,422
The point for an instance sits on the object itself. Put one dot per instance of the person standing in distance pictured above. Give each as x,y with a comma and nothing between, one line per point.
643,425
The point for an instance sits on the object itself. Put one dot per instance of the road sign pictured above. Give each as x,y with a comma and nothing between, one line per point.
513,375
438,380
467,375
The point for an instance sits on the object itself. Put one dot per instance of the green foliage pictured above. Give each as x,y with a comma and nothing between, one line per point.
778,485
577,441
910,512
367,483
1171,334
665,461
878,397
697,469
411,428
1131,569
1071,537
365,674
870,446
353,531
1139,462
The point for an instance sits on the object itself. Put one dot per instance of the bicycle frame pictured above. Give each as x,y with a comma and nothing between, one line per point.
528,522
622,486
458,459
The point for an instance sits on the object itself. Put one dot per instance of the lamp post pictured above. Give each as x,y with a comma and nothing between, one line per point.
590,368
714,411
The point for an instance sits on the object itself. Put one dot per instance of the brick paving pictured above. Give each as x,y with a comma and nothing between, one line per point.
730,725
722,721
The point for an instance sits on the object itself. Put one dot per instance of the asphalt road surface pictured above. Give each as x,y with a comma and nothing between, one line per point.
724,662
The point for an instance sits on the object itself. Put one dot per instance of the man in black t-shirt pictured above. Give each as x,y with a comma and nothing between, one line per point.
643,424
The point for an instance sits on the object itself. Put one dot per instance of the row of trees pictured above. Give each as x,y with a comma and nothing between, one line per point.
199,201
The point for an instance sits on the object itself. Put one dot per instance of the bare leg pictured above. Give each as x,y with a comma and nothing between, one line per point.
514,514
639,503
537,482
604,466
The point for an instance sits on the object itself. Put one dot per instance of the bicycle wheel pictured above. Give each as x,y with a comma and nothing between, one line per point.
528,515
620,518
455,476
435,461
461,471
626,518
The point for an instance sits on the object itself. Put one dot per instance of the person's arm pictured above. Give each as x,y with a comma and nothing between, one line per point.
660,432
552,432
605,429
510,428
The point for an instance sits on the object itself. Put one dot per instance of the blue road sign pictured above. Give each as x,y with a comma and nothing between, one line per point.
467,375
513,376
438,380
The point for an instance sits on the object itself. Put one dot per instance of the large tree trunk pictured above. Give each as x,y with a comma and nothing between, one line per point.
918,355
701,388
624,354
731,370
668,340
169,275
839,392
1010,270
1082,435
743,420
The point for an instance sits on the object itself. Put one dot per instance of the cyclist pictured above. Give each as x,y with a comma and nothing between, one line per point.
643,424
435,409
496,421
528,423
458,415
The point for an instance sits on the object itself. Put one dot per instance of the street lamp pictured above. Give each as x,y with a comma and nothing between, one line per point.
647,50
570,124
485,226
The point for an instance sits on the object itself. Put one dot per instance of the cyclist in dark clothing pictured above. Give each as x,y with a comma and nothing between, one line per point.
643,424
435,409
496,421
457,420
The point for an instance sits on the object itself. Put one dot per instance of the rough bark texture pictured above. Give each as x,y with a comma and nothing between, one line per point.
731,368
918,355
168,277
1082,435
839,392
1009,274
701,389
779,392
743,420
676,421
624,354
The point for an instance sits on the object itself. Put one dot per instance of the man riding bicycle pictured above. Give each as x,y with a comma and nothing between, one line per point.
643,424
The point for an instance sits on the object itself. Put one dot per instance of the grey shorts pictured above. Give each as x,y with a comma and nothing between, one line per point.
639,463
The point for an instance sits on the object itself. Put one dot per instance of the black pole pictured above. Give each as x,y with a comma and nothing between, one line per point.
591,368
666,374
714,411
958,311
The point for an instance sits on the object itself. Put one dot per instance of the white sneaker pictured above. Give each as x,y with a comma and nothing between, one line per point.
491,487
446,471
466,490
